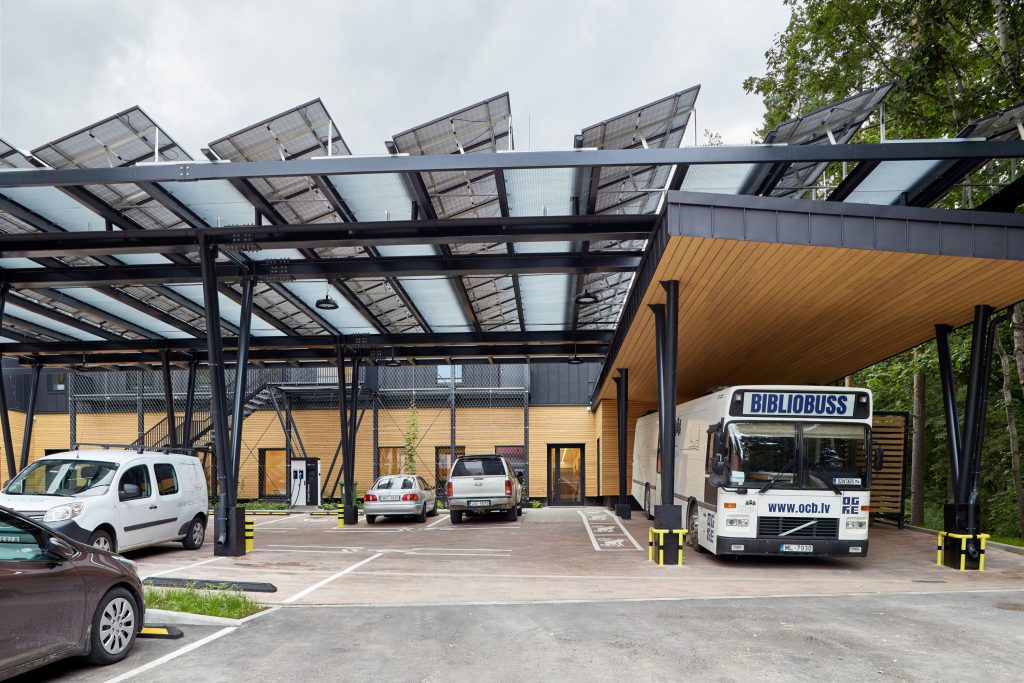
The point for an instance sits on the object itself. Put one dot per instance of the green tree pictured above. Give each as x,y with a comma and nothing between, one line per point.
412,438
952,62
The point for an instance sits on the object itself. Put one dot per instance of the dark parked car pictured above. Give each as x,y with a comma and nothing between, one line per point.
61,598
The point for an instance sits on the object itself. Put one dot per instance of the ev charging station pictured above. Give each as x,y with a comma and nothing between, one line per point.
305,481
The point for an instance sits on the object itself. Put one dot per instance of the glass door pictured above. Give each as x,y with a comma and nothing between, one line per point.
565,474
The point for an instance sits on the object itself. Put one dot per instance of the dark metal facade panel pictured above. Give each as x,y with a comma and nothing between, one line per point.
899,229
563,385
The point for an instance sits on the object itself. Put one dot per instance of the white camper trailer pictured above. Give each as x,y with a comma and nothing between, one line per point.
767,470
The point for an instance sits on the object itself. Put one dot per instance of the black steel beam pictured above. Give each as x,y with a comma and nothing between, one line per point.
190,403
369,341
949,401
97,313
622,413
165,371
1007,199
852,180
399,266
5,419
30,414
57,316
241,374
40,329
153,311
346,165
443,354
463,231
27,216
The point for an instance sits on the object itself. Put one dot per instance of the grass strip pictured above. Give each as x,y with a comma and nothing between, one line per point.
221,603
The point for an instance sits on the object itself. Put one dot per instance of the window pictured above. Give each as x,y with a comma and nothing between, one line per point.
64,478
138,475
57,381
389,460
448,373
166,479
423,484
476,467
20,541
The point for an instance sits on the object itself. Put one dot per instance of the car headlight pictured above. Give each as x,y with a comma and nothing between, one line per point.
737,521
63,512
132,566
856,524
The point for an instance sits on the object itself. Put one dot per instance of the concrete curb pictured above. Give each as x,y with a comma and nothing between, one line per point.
1015,549
166,616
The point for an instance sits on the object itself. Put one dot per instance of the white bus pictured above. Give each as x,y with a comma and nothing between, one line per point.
767,470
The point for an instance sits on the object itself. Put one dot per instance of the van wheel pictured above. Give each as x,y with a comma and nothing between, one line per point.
114,626
102,540
647,502
456,516
195,535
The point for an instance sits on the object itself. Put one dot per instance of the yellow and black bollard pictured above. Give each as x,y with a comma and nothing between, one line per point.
341,516
958,557
660,544
250,534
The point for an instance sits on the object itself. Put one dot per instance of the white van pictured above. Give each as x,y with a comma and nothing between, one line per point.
116,500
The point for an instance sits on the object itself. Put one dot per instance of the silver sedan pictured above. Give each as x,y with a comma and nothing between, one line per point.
400,495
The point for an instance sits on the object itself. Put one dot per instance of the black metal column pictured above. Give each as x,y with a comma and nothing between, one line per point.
229,520
977,387
72,411
241,374
5,419
140,412
190,405
949,400
668,515
30,414
348,400
165,369
622,508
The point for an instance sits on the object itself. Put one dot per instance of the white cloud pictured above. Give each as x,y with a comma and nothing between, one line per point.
203,69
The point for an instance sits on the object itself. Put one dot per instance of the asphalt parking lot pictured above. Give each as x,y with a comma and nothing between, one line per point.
568,592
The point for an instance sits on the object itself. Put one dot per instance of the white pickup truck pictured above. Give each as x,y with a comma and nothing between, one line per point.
484,483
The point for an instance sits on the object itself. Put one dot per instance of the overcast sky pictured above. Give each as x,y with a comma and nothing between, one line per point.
205,68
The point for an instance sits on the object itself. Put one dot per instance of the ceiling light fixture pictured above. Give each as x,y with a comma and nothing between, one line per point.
586,298
327,303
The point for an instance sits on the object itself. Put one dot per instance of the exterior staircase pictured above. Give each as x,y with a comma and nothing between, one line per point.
158,435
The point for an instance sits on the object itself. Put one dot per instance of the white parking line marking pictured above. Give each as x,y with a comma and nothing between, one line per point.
320,584
436,522
276,519
173,655
626,531
187,566
589,532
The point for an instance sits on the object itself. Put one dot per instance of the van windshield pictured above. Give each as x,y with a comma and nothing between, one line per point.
63,478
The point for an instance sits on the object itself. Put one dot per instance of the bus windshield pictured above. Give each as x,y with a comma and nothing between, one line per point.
811,455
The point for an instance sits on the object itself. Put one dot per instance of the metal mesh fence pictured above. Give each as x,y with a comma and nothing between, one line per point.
410,418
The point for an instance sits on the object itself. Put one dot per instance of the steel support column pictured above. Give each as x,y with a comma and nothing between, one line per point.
228,525
622,508
949,401
5,419
165,370
30,414
668,515
241,373
190,405
977,387
140,408
347,405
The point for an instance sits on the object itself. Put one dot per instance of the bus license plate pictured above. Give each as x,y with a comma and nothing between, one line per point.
791,548
479,503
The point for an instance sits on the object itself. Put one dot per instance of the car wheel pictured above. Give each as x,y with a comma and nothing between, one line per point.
195,535
433,510
114,626
102,540
422,517
370,519
456,516
511,515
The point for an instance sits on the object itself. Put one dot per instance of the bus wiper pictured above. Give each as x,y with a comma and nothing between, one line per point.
777,475
835,488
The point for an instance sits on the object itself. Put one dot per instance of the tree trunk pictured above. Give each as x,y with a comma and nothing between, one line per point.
1018,342
917,447
1003,38
1011,428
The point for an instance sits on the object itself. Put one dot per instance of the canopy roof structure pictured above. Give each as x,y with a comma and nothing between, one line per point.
450,246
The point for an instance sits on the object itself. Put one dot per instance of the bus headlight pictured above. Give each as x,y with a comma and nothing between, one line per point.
737,521
856,524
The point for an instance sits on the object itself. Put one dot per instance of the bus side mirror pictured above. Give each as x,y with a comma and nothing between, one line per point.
879,458
719,472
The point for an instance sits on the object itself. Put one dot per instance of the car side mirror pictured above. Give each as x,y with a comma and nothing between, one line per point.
59,549
129,492
879,460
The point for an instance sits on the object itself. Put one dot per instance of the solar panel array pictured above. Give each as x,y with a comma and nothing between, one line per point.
486,302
